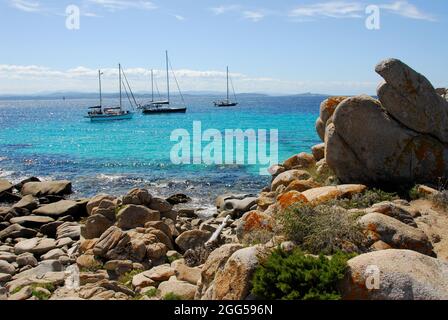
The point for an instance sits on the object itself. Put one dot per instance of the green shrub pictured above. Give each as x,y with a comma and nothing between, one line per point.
255,237
364,200
172,296
320,229
151,293
296,276
126,279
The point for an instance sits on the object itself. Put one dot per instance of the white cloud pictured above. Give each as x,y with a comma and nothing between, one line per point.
31,79
351,9
27,6
408,10
224,9
335,9
254,16
115,5
179,17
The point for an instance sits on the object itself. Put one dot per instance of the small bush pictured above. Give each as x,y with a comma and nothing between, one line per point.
364,200
257,237
126,279
171,259
320,229
172,296
440,199
296,276
414,194
151,293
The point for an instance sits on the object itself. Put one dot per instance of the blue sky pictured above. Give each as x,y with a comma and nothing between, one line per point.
285,46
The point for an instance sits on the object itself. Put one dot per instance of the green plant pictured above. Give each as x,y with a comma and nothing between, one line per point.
296,276
364,200
414,194
41,295
173,258
151,293
172,296
257,237
126,279
320,229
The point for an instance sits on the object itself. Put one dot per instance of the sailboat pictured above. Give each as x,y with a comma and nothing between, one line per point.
100,113
163,106
227,102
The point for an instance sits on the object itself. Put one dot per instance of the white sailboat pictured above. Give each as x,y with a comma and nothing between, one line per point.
100,113
162,106
227,102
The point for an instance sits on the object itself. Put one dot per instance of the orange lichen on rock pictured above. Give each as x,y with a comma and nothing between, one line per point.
255,220
289,198
302,185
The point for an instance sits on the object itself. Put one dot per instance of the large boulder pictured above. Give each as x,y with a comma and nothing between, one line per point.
47,188
96,201
400,274
322,194
17,231
94,226
5,186
61,208
285,178
133,216
182,289
27,202
395,233
327,108
411,99
31,221
215,263
37,246
138,197
234,282
192,239
399,139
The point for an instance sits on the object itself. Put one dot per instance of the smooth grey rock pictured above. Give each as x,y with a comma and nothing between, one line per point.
27,202
404,275
6,267
411,99
17,231
47,188
60,208
133,216
94,226
192,239
32,221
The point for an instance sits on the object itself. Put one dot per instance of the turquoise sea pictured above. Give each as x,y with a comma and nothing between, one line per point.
51,139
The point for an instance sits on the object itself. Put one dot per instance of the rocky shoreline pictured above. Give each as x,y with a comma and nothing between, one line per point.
142,247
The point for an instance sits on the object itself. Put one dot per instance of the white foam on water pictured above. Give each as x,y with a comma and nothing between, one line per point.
5,174
111,178
3,158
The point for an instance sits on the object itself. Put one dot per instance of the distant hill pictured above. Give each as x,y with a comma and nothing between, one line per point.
94,95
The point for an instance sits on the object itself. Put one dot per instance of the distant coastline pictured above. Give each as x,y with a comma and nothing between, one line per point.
94,95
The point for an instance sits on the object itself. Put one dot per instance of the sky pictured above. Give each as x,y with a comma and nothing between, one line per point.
273,47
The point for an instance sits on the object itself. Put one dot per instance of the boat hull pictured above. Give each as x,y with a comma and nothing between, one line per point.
109,117
224,105
164,110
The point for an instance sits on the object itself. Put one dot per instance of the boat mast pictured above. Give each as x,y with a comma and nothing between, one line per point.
167,77
152,85
227,83
101,97
119,79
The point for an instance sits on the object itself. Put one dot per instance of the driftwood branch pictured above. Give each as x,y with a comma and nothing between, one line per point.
218,231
